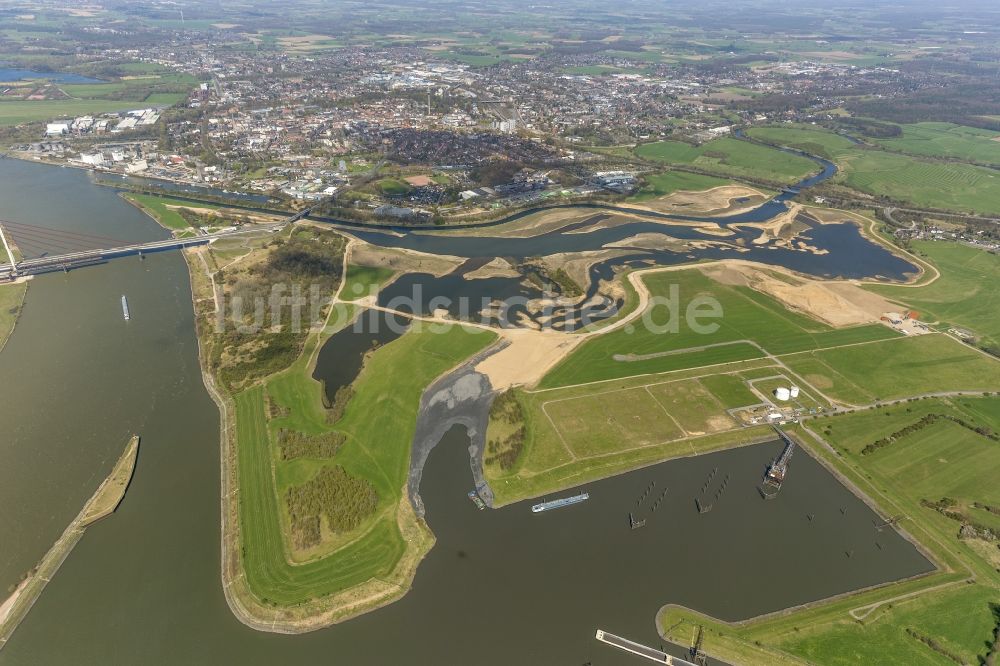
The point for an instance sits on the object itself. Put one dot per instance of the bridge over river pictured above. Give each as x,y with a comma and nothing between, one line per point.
68,260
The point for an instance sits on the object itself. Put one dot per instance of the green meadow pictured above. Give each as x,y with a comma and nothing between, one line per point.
164,211
964,295
947,140
747,315
662,184
376,450
908,178
728,156
362,281
816,141
946,185
19,111
865,373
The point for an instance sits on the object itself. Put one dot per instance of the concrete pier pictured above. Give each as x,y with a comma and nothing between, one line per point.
641,650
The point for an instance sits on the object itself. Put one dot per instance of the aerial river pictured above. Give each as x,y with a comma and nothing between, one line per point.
499,587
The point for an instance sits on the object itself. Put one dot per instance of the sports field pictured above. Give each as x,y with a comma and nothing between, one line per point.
376,450
747,315
730,156
964,295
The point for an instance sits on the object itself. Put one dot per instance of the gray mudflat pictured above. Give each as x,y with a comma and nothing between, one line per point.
462,397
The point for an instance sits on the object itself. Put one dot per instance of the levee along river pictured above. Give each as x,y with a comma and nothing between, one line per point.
499,587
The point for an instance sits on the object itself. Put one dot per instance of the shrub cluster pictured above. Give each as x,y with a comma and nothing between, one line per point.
344,500
505,451
934,645
923,423
298,445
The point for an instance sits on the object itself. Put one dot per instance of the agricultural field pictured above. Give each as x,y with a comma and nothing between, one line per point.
960,619
734,157
865,373
747,315
947,140
391,384
581,433
964,294
950,186
17,112
816,141
148,88
662,184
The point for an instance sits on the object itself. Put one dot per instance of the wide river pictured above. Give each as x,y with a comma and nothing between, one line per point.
499,587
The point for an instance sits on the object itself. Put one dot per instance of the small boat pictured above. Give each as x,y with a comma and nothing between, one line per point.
125,313
474,496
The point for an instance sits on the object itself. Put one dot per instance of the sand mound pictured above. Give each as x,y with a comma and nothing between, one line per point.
528,357
834,303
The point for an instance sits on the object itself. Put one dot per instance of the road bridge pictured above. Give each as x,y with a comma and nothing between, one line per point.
66,261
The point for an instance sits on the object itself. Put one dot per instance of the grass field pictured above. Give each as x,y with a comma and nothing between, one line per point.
580,433
376,449
943,459
861,374
392,187
159,208
951,186
818,142
963,295
947,140
17,112
662,184
156,88
362,281
11,297
746,315
959,619
729,156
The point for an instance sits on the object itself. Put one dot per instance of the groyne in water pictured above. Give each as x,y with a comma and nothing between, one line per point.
102,504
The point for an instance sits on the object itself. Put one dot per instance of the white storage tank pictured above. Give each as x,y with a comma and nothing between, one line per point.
794,391
782,393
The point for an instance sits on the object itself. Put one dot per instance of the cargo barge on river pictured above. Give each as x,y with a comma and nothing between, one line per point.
560,503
